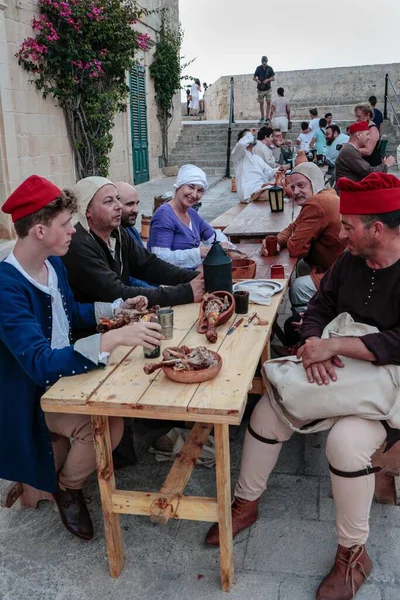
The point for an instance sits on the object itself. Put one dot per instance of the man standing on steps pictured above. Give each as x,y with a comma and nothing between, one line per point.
263,76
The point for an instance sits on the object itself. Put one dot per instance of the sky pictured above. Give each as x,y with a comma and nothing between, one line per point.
228,37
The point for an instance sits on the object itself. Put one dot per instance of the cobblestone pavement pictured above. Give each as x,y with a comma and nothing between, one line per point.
282,557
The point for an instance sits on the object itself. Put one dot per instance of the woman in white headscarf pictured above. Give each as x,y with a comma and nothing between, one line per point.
177,232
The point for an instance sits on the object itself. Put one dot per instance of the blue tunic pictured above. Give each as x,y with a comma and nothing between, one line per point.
27,366
133,281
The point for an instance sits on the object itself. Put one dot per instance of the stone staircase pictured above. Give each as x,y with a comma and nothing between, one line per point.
204,143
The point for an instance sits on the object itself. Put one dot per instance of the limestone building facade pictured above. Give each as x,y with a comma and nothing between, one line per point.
33,136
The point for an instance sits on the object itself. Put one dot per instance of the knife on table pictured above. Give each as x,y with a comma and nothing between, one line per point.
235,326
249,320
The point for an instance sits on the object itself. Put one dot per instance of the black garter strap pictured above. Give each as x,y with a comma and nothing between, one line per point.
349,474
260,438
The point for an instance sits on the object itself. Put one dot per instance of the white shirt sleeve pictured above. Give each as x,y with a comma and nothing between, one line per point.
240,148
220,237
188,259
269,172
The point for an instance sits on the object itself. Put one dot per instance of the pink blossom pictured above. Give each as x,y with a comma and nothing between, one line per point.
142,41
32,50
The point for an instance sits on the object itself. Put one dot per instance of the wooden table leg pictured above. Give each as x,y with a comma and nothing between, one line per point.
105,474
223,471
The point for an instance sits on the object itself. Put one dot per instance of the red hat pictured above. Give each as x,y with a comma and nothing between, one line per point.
375,194
358,126
32,195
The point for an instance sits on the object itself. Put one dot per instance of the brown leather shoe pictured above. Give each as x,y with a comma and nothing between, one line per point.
244,514
74,513
352,567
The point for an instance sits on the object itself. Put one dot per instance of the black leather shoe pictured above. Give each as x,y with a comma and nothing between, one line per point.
74,513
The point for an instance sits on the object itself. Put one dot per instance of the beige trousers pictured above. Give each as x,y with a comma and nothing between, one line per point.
81,459
351,443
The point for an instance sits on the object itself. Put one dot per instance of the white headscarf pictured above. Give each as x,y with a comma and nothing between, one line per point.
313,174
191,175
84,191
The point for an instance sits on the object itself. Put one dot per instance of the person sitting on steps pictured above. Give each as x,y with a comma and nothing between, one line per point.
252,173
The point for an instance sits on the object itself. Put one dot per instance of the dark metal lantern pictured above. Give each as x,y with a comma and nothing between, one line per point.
217,269
276,194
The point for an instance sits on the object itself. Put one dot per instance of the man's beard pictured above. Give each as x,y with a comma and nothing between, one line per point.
329,142
127,222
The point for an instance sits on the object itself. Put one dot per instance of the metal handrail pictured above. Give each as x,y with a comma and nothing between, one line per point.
394,113
230,122
387,99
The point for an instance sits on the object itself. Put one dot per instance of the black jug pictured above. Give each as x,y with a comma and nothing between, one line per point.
217,269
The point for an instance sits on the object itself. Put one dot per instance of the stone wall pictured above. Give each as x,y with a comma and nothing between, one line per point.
149,25
33,137
337,89
33,134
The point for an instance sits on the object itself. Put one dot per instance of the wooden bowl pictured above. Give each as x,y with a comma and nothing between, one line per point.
223,318
195,376
243,268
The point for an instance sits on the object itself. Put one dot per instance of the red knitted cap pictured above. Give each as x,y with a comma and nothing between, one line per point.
358,126
375,194
29,197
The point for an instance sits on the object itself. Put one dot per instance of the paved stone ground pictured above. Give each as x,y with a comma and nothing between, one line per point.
282,557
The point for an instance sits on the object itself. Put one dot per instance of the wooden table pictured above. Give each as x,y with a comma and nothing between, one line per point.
257,221
264,263
123,389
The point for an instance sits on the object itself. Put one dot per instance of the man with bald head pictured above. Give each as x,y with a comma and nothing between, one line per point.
129,199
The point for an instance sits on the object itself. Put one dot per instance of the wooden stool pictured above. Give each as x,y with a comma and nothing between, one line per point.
387,482
29,497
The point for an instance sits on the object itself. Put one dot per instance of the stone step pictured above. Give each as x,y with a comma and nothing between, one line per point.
205,143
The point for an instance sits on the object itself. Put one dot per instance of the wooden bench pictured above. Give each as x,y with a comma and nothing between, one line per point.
227,217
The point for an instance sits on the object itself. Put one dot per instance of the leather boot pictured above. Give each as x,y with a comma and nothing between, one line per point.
74,513
244,514
352,567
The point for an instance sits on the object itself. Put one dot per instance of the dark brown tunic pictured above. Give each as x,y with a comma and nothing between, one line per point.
370,296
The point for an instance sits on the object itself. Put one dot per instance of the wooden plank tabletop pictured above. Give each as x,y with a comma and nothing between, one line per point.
257,220
222,221
264,263
123,389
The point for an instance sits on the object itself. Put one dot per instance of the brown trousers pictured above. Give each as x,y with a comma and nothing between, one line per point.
351,443
81,459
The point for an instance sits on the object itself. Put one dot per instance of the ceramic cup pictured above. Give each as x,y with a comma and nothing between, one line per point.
241,302
271,242
277,272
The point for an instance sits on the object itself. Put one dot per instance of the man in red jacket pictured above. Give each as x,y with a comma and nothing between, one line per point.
314,236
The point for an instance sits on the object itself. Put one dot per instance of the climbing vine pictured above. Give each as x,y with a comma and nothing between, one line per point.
79,54
167,72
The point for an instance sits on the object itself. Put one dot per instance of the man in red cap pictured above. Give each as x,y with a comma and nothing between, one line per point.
37,314
364,282
350,162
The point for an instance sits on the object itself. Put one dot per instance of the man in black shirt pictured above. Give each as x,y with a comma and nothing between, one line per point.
263,76
377,116
102,256
365,283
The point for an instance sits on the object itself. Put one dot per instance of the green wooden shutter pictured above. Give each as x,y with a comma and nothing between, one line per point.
140,144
